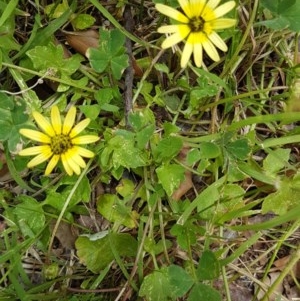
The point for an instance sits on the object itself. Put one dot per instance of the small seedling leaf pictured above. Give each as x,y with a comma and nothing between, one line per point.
97,254
180,280
203,292
156,286
170,176
209,267
114,210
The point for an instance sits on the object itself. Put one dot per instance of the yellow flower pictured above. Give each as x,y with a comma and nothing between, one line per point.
59,141
197,25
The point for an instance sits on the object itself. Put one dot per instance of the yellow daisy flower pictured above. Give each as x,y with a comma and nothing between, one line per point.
59,141
197,26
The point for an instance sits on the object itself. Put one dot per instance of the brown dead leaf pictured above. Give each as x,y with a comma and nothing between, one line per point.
268,281
66,234
184,187
281,263
81,41
4,171
187,183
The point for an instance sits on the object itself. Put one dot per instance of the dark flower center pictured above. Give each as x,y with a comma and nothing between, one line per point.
196,24
60,144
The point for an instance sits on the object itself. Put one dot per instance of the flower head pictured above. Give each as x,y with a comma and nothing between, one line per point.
197,25
59,141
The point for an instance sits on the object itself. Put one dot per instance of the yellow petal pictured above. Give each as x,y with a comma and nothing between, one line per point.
78,128
69,120
43,124
86,139
75,167
35,150
66,165
196,8
172,13
35,135
185,5
72,163
213,3
74,153
51,165
198,54
56,120
172,40
186,54
224,9
211,50
168,29
83,152
44,156
217,41
222,23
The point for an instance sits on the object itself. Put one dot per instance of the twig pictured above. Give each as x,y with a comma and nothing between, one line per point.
129,24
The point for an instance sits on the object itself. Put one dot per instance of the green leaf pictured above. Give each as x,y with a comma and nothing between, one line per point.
104,96
209,267
186,235
167,148
170,128
52,56
19,115
13,170
6,102
143,137
231,199
172,102
5,128
156,286
56,196
90,111
13,117
110,53
118,65
116,211
203,292
150,246
97,254
238,149
285,198
6,14
220,200
125,153
145,90
14,139
203,201
209,150
162,68
276,160
170,176
82,193
31,213
99,61
55,11
54,199
83,21
193,156
141,118
286,14
251,169
125,188
180,280
112,41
